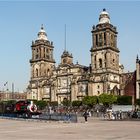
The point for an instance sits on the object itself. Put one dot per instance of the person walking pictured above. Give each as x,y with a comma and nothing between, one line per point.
85,115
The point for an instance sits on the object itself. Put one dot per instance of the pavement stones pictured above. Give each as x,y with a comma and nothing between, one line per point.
94,129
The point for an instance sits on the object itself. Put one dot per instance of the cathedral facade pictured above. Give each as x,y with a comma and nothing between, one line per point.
74,81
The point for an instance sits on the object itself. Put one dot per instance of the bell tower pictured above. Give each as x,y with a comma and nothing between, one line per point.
42,64
105,54
42,61
66,58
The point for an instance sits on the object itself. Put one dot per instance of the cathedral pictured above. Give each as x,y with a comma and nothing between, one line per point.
74,81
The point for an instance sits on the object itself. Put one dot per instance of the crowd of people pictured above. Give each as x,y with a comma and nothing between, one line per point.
103,113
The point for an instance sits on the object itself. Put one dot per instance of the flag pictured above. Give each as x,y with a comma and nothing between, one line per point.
5,83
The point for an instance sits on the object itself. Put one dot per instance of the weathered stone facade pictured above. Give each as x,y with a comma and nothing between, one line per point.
74,81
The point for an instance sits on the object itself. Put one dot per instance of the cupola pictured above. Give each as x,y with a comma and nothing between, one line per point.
104,17
42,34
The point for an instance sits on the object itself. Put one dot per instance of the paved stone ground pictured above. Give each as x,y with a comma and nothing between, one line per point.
95,129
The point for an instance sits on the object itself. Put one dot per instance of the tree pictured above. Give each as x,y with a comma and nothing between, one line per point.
41,104
77,103
89,100
53,103
66,102
107,99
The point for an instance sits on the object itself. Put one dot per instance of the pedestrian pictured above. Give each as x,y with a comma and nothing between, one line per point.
68,116
85,115
89,114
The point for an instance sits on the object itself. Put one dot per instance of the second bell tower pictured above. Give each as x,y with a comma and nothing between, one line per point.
105,55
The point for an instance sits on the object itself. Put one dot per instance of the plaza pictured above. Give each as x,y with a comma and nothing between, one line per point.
95,129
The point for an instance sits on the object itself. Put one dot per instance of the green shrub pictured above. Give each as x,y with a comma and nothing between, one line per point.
66,102
77,103
53,103
41,104
107,99
89,100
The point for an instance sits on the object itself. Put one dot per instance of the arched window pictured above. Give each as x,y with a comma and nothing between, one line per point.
96,40
36,72
44,52
100,40
95,61
105,55
104,38
100,63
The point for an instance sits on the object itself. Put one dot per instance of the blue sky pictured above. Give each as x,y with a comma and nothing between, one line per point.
21,21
